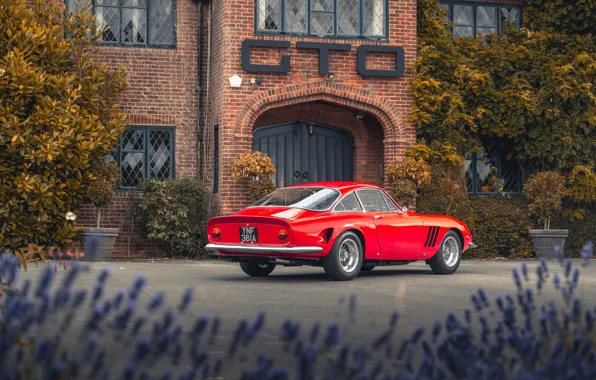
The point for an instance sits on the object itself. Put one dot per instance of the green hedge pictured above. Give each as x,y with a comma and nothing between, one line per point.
500,225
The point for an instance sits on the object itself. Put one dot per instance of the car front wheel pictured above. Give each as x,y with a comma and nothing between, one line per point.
345,259
257,269
448,257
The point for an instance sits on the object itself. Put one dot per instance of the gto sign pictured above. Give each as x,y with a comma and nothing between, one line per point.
324,50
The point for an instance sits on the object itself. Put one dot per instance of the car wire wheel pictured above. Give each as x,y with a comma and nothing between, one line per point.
448,257
450,251
345,259
349,255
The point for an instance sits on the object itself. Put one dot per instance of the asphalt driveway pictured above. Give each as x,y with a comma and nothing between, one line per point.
305,294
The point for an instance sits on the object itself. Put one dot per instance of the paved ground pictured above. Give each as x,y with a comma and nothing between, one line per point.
304,293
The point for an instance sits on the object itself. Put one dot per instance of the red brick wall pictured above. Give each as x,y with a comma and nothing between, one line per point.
161,91
386,99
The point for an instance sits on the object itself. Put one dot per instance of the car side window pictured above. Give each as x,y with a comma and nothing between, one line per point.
390,203
372,200
349,203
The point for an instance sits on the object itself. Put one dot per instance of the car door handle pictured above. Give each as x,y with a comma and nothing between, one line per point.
378,217
296,174
305,175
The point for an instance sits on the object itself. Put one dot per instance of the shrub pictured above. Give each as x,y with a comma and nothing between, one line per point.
174,213
58,119
582,185
545,192
101,191
500,227
405,177
511,336
254,170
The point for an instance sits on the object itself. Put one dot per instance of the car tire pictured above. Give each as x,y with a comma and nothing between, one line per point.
448,257
367,267
345,259
254,269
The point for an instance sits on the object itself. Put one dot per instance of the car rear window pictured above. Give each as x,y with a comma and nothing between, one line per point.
308,198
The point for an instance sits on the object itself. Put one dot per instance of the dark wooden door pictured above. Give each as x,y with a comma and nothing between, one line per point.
326,154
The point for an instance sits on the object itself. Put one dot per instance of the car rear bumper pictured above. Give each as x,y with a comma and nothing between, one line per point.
255,249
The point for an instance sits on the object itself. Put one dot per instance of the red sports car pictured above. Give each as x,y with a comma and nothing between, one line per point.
345,227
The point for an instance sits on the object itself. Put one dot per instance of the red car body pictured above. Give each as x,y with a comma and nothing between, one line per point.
290,235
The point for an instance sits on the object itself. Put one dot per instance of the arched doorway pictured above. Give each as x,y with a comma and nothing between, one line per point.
305,151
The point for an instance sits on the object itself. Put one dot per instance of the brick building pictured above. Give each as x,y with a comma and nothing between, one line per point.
319,85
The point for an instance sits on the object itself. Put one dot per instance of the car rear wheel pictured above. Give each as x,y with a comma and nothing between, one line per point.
448,257
254,269
345,259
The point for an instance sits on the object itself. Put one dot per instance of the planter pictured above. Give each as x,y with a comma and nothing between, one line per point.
545,241
98,243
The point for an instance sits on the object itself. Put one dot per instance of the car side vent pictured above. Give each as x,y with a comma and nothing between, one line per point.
431,238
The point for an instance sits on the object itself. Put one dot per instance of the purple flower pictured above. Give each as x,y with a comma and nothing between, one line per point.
524,268
416,335
97,290
517,279
436,330
103,275
155,302
137,286
557,281
567,268
587,253
560,254
332,336
483,297
130,370
79,298
45,281
199,326
43,350
139,322
186,299
118,298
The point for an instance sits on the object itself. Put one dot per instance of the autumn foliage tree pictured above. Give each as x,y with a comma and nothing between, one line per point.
534,88
57,119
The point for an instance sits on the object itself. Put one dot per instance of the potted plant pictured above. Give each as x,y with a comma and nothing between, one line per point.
254,170
98,243
545,191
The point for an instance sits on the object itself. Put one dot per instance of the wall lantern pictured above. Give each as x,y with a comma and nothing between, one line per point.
311,128
235,81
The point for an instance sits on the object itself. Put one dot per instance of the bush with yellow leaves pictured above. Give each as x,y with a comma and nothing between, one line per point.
254,169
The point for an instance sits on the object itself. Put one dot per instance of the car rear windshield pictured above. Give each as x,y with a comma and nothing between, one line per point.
308,198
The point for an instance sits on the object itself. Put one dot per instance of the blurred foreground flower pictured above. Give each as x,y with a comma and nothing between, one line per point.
513,336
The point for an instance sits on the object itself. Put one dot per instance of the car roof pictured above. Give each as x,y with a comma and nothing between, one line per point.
339,185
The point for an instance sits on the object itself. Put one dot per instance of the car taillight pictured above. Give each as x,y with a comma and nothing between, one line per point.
216,233
282,235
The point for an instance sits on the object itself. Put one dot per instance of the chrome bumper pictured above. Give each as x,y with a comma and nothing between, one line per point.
472,246
243,248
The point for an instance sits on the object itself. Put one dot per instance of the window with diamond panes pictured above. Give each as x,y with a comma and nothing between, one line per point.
486,172
476,19
133,22
145,153
339,18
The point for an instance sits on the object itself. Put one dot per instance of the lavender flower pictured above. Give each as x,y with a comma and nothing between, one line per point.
587,253
186,299
156,301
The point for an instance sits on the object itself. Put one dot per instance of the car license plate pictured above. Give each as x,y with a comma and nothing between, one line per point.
248,235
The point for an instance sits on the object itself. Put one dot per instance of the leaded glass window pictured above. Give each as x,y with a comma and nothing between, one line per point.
492,171
145,153
476,19
343,18
133,22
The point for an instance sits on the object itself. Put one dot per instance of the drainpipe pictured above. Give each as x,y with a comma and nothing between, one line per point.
199,83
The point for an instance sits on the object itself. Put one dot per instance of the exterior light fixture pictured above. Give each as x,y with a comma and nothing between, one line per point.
235,81
331,75
311,129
